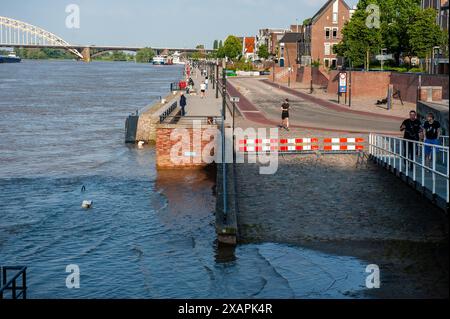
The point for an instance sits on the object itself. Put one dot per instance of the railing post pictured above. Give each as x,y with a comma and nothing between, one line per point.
401,156
448,173
395,153
423,165
434,170
24,284
407,159
13,289
414,159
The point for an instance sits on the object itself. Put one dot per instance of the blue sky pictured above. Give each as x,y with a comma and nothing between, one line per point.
162,23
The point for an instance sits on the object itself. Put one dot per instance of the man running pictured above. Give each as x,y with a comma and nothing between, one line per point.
285,114
432,133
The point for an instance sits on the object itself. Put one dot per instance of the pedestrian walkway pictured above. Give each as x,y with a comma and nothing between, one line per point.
208,106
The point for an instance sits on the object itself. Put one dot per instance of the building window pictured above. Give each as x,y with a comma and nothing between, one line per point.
335,33
326,63
333,63
327,33
327,49
335,17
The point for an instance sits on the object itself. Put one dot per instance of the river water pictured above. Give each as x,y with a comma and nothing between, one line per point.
150,234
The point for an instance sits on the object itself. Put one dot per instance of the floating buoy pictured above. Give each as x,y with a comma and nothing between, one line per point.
87,204
141,144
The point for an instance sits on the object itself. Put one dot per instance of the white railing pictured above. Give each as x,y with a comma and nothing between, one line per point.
408,157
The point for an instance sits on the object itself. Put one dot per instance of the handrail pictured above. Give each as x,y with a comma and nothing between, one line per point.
411,157
12,284
167,112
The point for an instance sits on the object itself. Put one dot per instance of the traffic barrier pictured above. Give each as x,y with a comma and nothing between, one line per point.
343,144
279,145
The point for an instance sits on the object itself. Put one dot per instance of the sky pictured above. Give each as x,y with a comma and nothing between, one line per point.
160,23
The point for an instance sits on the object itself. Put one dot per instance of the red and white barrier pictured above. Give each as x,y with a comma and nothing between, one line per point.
343,144
279,145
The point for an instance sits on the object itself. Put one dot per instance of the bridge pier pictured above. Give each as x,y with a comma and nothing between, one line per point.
86,54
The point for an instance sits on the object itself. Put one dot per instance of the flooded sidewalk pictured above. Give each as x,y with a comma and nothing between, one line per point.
327,204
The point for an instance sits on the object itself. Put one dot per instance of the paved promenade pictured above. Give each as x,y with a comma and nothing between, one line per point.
261,102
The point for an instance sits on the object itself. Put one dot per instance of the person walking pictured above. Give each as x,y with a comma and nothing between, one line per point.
432,130
285,114
412,129
203,90
183,103
206,82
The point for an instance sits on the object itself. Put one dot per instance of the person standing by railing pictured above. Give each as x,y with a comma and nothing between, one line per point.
183,103
412,129
432,130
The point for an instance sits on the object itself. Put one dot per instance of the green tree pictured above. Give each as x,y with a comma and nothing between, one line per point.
145,55
232,48
263,51
424,34
216,44
360,40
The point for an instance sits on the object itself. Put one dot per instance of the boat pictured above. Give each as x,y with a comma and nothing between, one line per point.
177,58
10,58
162,60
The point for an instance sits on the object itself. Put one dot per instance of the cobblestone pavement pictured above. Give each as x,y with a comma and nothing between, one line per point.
328,204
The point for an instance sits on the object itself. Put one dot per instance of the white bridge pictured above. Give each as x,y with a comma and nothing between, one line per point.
18,34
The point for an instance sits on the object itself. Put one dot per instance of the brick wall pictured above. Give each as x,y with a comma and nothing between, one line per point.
165,146
364,84
282,74
408,84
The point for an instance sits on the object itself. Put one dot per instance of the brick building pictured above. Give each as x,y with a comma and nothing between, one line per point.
270,38
288,52
323,31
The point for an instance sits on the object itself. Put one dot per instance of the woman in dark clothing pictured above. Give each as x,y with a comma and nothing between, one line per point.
285,114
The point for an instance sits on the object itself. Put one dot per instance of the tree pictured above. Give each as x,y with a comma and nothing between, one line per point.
263,51
360,39
232,48
216,44
200,47
424,34
145,55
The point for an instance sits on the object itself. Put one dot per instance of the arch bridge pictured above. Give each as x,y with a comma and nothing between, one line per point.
18,34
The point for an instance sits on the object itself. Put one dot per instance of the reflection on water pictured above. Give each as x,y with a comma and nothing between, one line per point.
150,234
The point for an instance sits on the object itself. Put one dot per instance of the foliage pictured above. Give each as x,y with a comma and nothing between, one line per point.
43,54
405,30
216,44
263,52
424,33
145,55
232,48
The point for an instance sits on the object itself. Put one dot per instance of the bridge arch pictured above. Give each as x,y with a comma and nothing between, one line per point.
15,32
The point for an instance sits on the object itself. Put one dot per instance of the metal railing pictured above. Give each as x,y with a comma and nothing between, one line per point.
11,284
190,120
408,157
168,112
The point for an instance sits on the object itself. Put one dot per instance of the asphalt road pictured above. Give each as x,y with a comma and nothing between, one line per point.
268,100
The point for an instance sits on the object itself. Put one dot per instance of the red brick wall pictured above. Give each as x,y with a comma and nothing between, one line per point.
408,84
364,84
319,78
164,146
281,75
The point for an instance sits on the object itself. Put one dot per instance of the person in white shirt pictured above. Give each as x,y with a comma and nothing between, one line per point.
206,82
203,90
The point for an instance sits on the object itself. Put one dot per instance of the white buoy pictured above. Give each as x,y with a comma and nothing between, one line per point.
87,204
163,101
141,144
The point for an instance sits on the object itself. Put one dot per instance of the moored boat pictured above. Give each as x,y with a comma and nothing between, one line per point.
10,58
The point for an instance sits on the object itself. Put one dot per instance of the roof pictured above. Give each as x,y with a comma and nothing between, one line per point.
324,8
291,37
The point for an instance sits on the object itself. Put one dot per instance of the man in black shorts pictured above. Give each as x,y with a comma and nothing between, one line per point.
285,114
412,129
